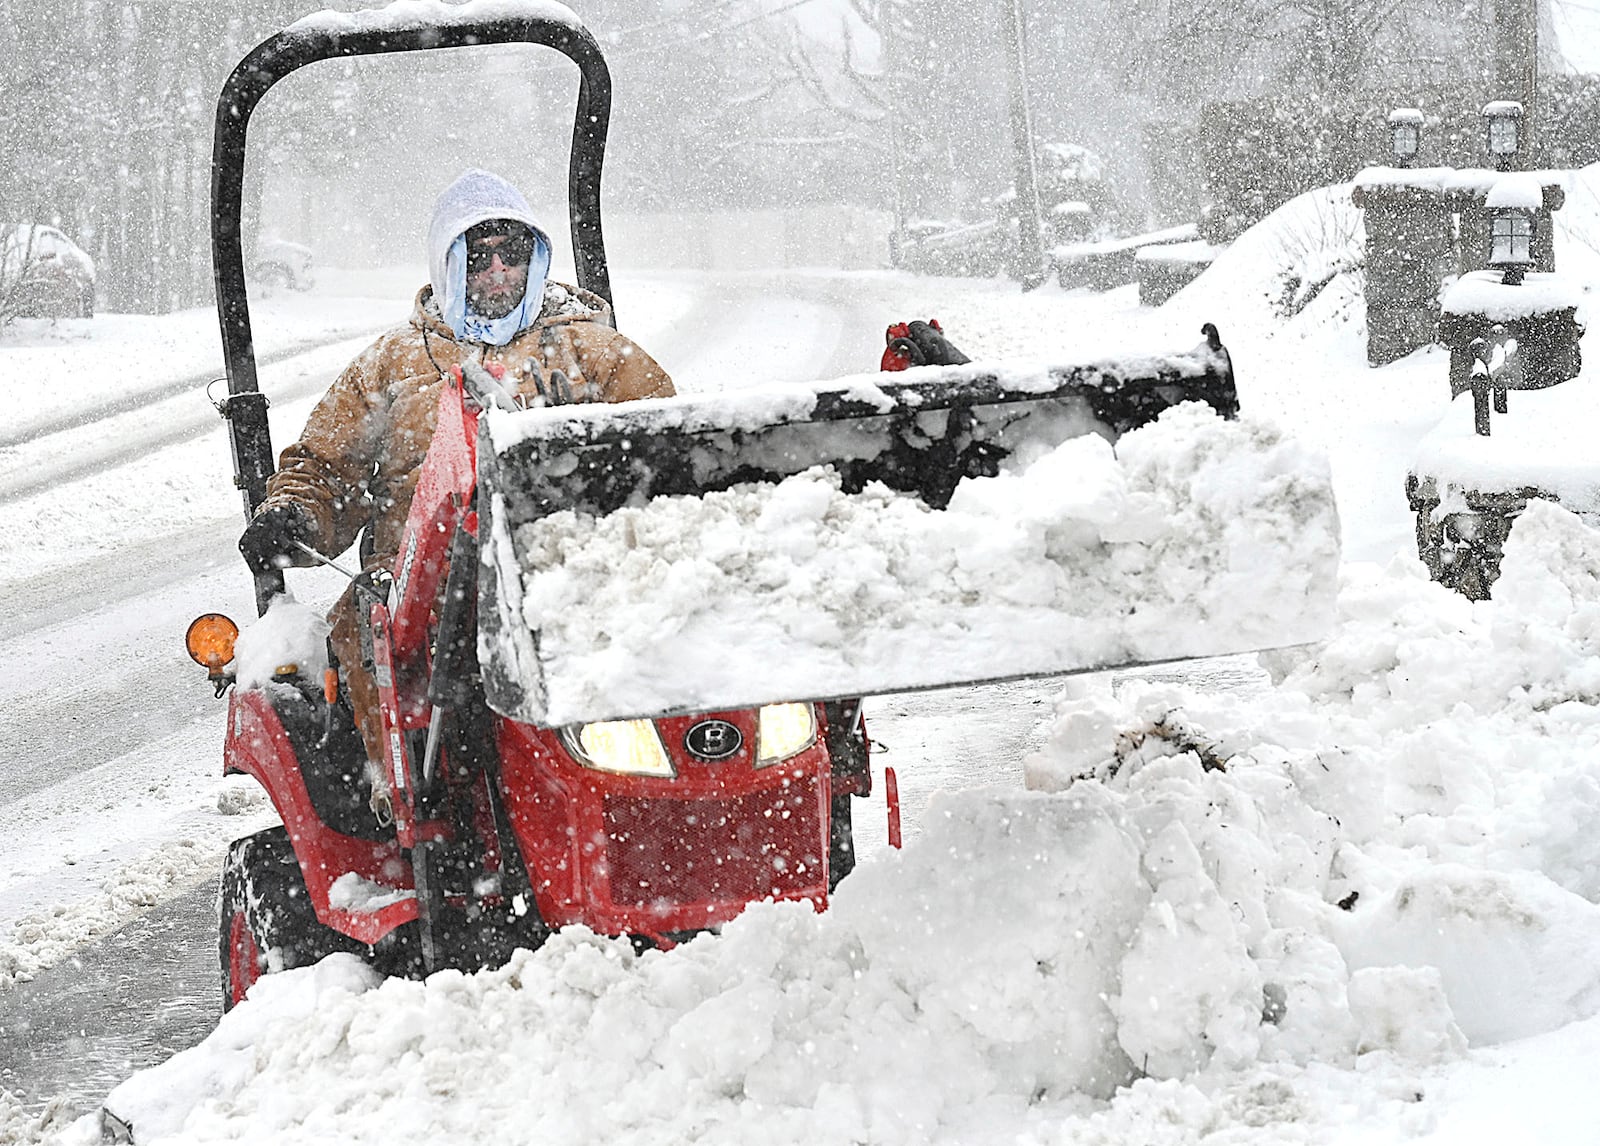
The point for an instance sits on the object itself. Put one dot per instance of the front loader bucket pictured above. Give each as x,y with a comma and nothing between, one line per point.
944,526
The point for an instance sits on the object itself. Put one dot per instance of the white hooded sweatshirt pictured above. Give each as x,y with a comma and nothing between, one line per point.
474,197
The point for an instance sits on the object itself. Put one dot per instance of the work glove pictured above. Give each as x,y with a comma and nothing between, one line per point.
918,343
268,542
555,389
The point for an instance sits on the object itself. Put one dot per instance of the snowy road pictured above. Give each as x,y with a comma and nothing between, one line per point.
78,445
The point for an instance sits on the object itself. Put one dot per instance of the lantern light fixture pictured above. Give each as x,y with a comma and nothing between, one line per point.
1503,131
1405,135
1513,204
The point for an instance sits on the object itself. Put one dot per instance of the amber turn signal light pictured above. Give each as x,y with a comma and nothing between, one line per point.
210,641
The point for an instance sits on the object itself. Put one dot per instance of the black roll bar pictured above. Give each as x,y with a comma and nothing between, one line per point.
374,32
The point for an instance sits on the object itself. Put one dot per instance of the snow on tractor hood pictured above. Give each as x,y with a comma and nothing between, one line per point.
1194,536
288,633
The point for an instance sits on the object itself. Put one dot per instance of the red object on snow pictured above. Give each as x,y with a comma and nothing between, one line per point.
918,343
895,357
891,795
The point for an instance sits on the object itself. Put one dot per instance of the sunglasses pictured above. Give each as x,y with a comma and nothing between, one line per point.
514,251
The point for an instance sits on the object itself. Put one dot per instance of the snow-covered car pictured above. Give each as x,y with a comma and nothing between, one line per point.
280,263
44,274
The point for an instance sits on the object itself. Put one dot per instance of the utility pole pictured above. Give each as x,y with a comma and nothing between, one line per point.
895,63
1516,54
1030,260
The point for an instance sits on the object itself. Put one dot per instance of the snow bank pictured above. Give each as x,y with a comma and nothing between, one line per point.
1398,832
1545,441
42,939
1195,536
1257,915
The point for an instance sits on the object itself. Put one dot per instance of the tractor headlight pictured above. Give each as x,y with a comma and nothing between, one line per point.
783,731
629,747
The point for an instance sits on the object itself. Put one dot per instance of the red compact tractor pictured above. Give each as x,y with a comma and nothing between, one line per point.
502,829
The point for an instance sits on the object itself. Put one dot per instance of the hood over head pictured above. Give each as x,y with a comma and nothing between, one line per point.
473,198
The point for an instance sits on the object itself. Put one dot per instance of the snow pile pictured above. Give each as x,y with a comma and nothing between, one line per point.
1544,442
1195,536
1286,910
288,633
19,1127
230,1054
1293,276
42,939
1453,753
1485,293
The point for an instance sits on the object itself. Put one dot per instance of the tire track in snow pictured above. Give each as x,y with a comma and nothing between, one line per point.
175,413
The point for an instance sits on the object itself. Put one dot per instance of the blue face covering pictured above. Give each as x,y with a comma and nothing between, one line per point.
474,327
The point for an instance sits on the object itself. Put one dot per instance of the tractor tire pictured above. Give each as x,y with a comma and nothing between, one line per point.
266,921
841,842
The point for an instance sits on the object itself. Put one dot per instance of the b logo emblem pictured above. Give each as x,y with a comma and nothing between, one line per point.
713,740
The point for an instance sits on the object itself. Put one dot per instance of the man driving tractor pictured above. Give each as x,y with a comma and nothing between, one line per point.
356,462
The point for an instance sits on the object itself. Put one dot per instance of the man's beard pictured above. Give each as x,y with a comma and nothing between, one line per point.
494,305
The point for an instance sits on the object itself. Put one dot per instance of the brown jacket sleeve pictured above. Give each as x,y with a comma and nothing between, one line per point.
326,472
618,365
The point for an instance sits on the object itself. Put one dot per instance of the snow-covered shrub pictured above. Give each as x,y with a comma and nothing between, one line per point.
15,265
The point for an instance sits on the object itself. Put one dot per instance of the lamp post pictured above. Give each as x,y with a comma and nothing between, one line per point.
1405,135
1503,132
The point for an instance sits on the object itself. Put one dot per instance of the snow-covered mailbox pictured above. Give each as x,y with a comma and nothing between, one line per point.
1467,489
1508,328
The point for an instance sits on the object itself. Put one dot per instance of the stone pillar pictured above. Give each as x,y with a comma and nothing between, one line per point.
1410,239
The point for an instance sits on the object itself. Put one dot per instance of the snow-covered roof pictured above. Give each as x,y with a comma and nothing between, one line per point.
1193,251
1422,178
1451,180
1480,180
1184,232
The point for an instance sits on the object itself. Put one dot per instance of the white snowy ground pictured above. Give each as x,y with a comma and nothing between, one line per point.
1357,906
